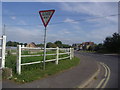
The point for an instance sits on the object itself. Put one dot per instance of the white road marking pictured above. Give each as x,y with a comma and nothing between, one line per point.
105,69
107,77
110,54
87,82
107,72
98,86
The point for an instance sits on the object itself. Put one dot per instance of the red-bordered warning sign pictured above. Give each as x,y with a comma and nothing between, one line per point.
46,16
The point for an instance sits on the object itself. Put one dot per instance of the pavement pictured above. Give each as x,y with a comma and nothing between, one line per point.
71,78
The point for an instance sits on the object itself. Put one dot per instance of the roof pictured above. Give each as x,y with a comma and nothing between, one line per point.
32,44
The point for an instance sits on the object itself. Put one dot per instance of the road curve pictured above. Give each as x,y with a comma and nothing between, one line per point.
110,60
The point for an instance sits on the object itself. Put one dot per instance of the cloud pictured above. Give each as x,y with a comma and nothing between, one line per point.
36,35
77,33
24,35
22,22
68,20
66,32
13,17
61,1
98,9
99,35
99,28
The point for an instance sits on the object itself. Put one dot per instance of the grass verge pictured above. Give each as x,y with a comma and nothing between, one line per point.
35,72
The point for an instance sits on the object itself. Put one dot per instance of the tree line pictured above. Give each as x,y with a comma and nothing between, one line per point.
111,44
14,43
49,44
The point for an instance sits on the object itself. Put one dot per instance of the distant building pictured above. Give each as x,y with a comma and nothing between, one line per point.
87,45
83,46
32,44
76,46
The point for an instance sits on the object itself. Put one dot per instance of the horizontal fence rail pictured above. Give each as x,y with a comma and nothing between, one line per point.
64,53
57,53
64,58
36,48
31,63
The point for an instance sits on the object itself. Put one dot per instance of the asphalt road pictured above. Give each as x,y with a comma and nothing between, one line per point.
111,60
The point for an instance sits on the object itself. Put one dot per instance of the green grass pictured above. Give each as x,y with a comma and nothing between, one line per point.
39,58
11,62
35,71
28,52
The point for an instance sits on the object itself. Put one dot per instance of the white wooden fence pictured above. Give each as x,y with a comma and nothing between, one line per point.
69,51
2,49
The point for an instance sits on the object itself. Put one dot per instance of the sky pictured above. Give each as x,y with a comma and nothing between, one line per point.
72,22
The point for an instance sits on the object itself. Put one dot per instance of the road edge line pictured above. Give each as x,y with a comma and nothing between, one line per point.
91,78
104,81
101,82
107,77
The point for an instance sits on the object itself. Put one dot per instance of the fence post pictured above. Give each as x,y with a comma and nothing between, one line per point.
67,50
19,59
73,52
57,55
3,51
70,54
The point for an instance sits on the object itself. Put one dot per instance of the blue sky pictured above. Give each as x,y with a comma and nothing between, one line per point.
71,22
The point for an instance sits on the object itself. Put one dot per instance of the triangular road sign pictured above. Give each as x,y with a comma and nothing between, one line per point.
46,16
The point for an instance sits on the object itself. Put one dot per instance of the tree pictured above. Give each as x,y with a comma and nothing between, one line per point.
25,44
40,45
10,43
99,48
58,43
66,46
51,45
21,43
112,44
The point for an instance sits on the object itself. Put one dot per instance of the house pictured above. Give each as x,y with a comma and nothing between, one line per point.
83,46
32,44
86,45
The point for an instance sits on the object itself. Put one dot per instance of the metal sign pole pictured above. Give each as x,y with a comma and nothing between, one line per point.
45,16
44,49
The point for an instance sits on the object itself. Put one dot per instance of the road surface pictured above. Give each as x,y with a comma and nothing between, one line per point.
110,60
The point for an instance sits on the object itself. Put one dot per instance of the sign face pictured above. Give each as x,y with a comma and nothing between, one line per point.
46,16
